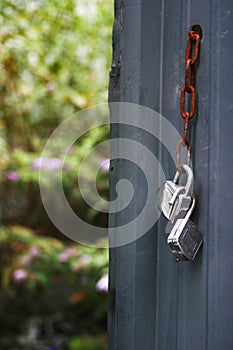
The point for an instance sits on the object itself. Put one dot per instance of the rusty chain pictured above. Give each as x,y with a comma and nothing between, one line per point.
191,57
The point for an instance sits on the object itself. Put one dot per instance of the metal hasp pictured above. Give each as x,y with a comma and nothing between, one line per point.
154,302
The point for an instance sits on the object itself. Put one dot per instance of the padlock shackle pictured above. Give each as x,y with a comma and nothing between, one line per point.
178,151
187,216
189,184
175,194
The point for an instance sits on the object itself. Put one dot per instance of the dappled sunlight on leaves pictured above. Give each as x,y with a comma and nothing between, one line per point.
54,61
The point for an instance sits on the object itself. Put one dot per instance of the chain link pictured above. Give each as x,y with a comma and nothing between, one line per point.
191,57
193,45
193,48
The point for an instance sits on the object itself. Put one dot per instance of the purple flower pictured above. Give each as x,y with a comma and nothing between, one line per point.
47,163
51,86
12,176
102,284
34,252
25,260
67,254
83,261
20,275
104,164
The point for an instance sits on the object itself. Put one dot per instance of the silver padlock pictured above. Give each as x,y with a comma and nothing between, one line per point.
176,198
170,193
184,199
185,239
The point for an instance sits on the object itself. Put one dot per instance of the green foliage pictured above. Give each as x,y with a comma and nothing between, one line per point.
42,258
88,343
61,279
54,61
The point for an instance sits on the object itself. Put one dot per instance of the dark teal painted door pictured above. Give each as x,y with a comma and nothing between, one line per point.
155,303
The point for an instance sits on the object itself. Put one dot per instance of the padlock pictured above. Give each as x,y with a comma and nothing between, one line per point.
184,199
185,239
170,193
176,199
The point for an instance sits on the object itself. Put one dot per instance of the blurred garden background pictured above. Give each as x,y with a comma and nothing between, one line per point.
54,62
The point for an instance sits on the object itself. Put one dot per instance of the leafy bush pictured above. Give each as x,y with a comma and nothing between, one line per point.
88,343
54,61
45,281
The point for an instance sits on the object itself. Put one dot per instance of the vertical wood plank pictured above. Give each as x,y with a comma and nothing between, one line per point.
155,303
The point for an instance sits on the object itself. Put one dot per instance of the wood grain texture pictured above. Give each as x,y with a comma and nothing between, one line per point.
155,303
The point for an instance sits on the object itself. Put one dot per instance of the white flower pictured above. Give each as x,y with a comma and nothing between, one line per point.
102,284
